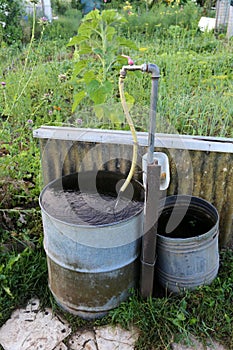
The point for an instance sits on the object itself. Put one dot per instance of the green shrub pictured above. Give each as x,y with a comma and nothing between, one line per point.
60,6
159,19
11,12
65,26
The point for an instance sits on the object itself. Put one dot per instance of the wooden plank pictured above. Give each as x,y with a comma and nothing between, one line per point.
200,143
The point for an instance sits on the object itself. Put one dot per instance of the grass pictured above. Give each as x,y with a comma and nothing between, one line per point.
205,313
195,97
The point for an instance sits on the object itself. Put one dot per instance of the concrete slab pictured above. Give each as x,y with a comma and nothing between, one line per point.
115,338
61,346
30,328
82,340
196,345
103,338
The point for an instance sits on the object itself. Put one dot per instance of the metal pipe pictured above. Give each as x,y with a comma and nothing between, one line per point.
148,255
124,69
154,70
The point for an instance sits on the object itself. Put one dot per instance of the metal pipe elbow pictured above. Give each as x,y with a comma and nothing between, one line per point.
153,69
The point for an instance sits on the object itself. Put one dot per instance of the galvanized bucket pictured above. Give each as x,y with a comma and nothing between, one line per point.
91,268
187,243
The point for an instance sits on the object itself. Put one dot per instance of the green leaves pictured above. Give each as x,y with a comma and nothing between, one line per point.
98,48
111,17
77,99
126,43
4,270
96,91
130,100
99,92
77,40
92,16
79,67
110,112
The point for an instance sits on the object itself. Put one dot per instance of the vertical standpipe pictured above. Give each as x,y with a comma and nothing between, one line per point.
148,255
154,70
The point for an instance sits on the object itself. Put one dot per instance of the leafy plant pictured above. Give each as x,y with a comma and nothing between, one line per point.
65,26
61,6
158,20
10,103
22,276
98,51
11,12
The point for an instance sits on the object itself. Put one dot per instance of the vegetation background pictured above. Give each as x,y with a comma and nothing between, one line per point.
38,87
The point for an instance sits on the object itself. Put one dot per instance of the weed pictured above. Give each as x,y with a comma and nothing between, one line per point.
22,276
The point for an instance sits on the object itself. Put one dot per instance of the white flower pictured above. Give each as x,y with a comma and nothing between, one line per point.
3,24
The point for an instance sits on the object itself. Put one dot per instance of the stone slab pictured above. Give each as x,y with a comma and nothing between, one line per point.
30,328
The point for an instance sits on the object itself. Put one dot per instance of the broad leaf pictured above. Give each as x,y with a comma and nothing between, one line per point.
99,111
110,32
84,48
88,76
87,28
112,16
7,290
98,51
116,116
79,66
77,99
93,86
100,94
95,14
129,100
77,40
126,43
12,261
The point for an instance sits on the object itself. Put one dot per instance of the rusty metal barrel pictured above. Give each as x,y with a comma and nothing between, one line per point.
187,243
91,268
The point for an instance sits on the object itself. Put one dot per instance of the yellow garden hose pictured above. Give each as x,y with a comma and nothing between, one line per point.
133,132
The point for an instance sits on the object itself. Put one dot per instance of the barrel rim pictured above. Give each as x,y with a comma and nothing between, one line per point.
184,199
89,226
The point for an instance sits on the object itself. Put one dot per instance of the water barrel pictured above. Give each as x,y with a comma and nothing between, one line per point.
91,267
187,243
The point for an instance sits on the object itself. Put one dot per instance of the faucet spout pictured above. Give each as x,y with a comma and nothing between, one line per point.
124,69
145,67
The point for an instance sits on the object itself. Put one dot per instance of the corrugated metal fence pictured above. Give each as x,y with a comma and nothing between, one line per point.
199,166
